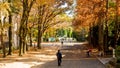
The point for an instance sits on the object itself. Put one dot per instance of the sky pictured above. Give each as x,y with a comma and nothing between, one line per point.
71,12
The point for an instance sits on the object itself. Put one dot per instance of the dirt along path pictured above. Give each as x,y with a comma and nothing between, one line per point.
31,58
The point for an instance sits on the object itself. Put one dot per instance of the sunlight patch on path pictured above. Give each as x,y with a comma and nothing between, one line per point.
28,62
23,64
20,64
46,56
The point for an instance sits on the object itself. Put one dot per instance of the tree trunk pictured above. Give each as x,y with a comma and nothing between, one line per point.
39,39
23,24
93,40
90,35
20,43
100,42
30,34
2,39
106,29
116,24
40,13
24,35
10,35
106,38
27,47
2,43
24,46
21,33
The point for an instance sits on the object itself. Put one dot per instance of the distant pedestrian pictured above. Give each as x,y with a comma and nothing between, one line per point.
59,57
88,53
61,42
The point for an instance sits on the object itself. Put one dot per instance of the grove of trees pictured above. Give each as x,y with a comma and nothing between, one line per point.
23,22
28,20
101,19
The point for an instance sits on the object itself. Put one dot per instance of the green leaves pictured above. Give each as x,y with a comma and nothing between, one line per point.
112,4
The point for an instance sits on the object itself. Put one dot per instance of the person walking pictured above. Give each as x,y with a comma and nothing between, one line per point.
61,42
59,57
88,53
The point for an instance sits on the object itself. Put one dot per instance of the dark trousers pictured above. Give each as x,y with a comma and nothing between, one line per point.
88,54
59,62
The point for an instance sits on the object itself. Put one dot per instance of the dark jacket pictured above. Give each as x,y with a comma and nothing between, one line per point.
59,55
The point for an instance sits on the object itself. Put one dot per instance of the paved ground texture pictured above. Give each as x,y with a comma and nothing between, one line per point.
83,63
74,56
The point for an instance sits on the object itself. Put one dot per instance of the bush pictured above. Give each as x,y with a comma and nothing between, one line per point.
118,54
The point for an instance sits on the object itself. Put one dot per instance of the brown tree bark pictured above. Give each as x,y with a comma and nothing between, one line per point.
2,39
116,24
10,34
106,28
23,25
30,34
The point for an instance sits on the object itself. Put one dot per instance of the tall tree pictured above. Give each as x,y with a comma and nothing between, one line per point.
116,23
47,11
10,30
32,25
4,8
93,13
106,27
27,5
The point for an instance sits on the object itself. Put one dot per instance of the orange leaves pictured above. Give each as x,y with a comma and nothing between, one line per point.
94,11
119,10
119,7
42,2
87,12
97,1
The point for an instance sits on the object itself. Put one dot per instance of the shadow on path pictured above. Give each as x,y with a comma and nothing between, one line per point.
74,57
72,63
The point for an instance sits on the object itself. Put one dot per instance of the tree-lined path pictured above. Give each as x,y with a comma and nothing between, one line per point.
31,32
74,56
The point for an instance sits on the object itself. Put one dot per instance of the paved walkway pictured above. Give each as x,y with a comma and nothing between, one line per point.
83,63
74,56
104,60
